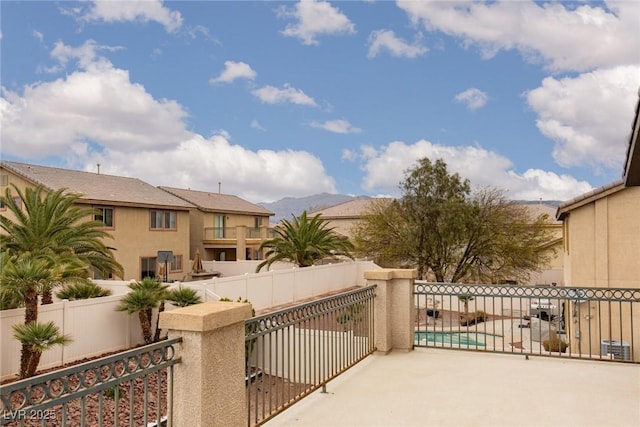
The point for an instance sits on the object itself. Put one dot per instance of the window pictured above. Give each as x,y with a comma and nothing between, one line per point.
258,222
2,205
219,226
148,268
163,220
4,180
176,264
105,216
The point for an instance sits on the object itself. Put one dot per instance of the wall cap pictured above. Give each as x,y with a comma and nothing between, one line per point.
391,273
206,316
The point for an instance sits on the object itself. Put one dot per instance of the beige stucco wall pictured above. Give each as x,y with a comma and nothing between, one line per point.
132,237
603,242
602,249
235,245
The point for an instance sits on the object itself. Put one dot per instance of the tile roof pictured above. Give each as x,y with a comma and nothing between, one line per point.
350,209
583,199
218,202
537,209
94,187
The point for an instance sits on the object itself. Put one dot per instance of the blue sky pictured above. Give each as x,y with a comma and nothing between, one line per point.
276,99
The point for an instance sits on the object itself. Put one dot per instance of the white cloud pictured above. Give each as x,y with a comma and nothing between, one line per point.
99,115
588,116
315,18
233,71
336,126
256,125
349,155
565,38
382,40
473,98
133,11
384,170
87,54
199,164
38,35
274,95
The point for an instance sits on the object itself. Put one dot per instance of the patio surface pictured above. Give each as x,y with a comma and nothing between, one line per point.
437,387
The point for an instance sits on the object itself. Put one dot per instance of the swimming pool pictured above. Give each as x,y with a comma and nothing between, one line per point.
466,339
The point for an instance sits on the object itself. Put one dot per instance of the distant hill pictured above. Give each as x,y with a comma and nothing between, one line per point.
288,206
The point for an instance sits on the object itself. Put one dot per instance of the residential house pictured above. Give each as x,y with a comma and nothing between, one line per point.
224,227
602,245
345,216
142,219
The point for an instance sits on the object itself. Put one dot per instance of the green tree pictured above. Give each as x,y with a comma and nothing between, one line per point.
22,278
303,241
49,242
451,234
142,298
51,224
38,337
148,294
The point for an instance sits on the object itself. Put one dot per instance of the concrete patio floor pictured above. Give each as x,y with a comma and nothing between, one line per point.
435,387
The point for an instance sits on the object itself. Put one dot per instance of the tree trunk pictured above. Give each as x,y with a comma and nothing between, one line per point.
47,297
30,316
34,361
145,323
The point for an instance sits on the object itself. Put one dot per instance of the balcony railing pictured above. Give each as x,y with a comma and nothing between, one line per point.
292,352
231,233
593,323
220,233
130,388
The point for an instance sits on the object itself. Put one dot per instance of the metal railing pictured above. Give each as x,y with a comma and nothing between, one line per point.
134,387
292,352
592,323
220,233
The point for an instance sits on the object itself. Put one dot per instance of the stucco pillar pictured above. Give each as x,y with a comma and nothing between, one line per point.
394,308
209,382
241,243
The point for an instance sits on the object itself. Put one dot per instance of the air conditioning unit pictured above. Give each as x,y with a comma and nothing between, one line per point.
621,350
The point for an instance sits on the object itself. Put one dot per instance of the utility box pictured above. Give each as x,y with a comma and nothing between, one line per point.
620,350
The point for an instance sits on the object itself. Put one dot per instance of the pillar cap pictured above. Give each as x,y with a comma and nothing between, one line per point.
391,273
206,316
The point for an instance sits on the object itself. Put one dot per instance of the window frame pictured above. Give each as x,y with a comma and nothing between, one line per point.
102,209
165,220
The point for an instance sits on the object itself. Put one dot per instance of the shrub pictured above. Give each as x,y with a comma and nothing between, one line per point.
183,297
555,344
473,318
76,291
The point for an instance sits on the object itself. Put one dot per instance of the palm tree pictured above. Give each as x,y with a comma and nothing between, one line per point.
22,277
38,337
183,297
52,224
142,298
49,242
304,241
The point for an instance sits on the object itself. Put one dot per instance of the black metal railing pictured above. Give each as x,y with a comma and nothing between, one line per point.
290,353
593,323
134,387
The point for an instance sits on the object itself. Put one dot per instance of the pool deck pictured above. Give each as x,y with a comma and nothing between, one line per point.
439,387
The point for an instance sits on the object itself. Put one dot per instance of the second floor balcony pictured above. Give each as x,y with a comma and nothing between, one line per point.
234,234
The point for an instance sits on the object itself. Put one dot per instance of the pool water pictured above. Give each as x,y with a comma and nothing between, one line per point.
470,339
